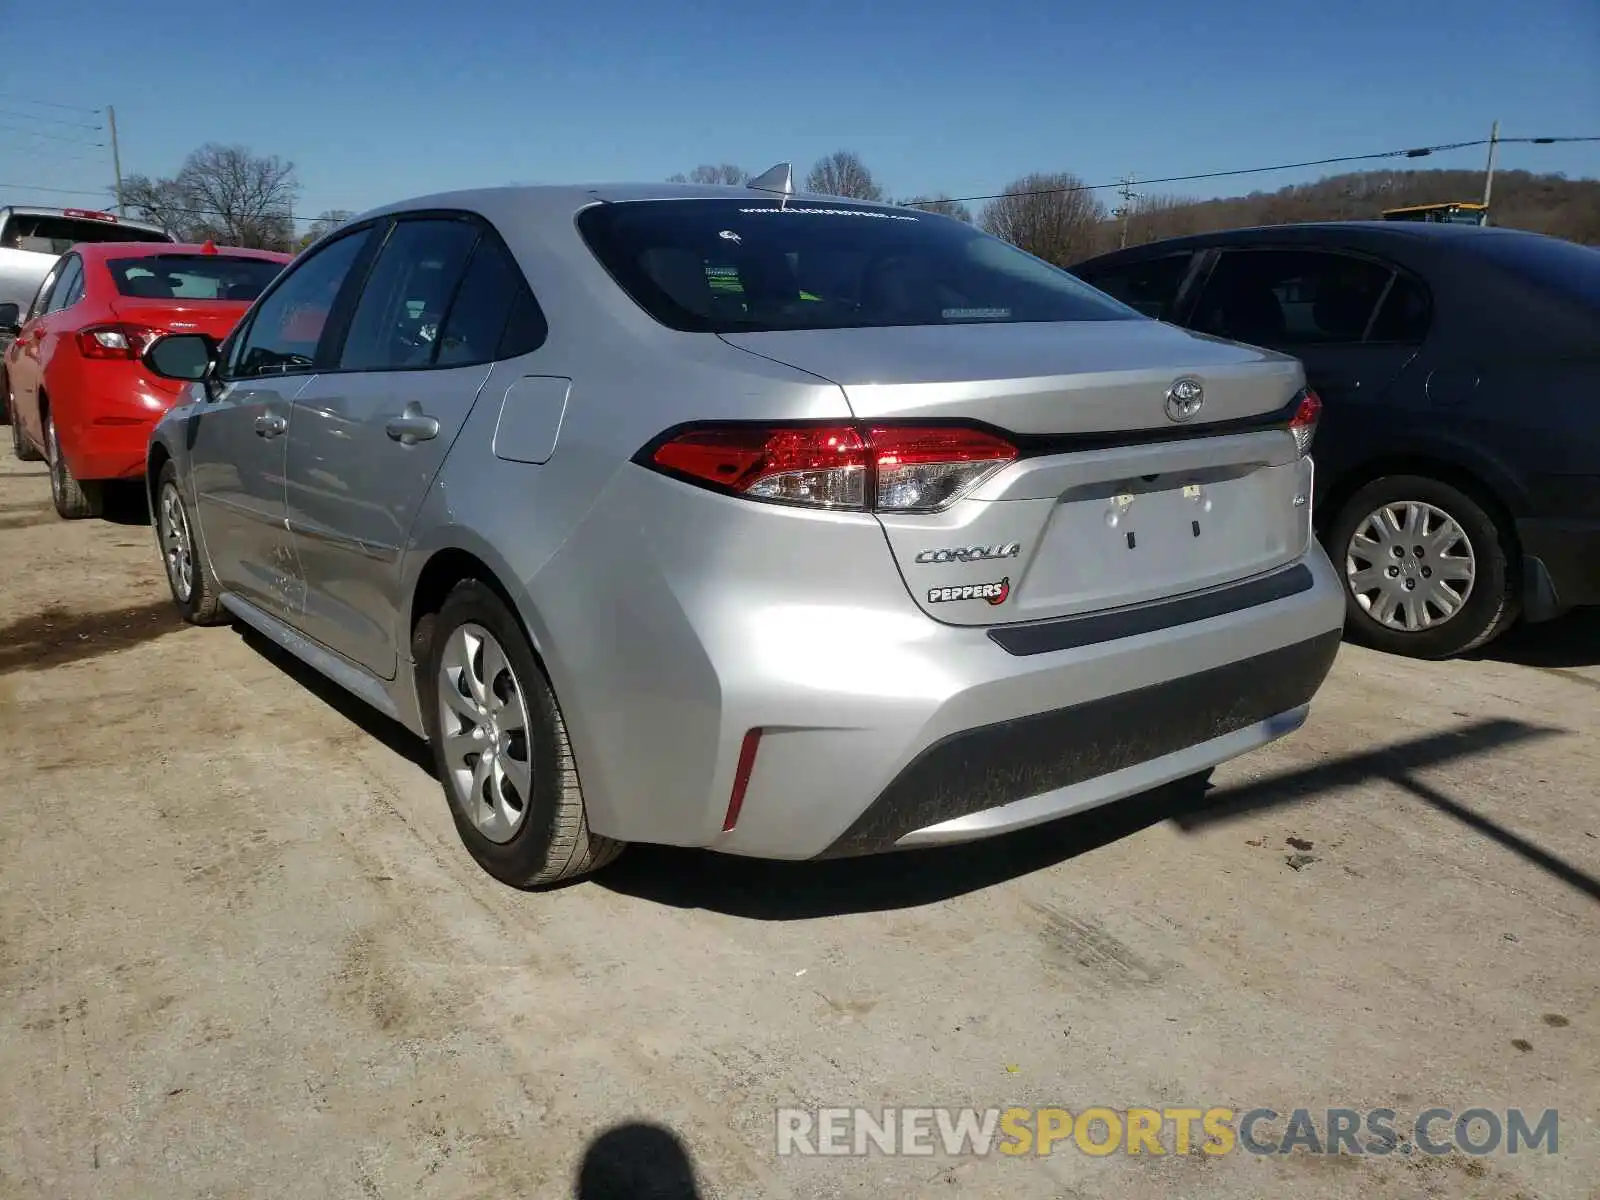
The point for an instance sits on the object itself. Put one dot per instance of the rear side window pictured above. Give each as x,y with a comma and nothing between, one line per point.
493,314
1290,297
57,235
1561,266
738,266
405,296
192,276
69,288
1149,285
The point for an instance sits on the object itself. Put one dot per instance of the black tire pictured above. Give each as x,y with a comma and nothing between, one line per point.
1491,604
553,841
73,500
21,447
202,605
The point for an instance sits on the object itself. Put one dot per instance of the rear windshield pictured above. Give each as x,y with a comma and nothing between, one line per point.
57,235
1550,262
744,266
193,276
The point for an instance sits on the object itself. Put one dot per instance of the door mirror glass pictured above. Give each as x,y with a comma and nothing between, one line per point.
10,318
185,356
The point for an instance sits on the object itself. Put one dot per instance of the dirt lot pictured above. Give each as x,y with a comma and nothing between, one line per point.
242,953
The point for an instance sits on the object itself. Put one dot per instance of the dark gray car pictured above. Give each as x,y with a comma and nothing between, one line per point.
1458,463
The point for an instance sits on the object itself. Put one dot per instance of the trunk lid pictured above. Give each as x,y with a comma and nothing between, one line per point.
213,317
1112,502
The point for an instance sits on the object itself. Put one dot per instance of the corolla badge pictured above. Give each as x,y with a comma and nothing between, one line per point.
1185,398
970,553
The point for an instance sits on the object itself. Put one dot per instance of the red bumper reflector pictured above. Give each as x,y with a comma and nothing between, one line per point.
741,778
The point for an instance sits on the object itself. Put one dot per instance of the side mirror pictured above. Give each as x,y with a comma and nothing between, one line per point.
10,319
189,357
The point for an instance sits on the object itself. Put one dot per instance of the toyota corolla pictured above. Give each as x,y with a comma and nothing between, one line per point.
782,525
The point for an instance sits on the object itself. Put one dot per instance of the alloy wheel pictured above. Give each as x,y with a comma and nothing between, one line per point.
487,748
177,547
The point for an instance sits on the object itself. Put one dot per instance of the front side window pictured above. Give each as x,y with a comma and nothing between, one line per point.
1149,285
403,301
192,276
1290,297
743,266
287,326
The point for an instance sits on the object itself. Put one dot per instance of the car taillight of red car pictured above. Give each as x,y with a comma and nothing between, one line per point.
119,341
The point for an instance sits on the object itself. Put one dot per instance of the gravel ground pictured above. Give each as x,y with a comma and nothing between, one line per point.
242,953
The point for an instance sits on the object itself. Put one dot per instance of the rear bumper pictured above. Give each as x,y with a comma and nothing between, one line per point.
1017,773
1016,740
110,448
1561,563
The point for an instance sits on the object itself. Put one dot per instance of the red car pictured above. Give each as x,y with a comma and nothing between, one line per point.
80,397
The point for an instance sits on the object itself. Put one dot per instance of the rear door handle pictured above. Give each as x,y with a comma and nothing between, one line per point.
412,426
270,425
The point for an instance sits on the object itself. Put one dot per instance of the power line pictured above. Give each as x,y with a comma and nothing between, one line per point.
1416,152
49,135
27,116
15,98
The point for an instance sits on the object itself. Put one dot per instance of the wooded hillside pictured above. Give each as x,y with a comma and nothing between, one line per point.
1568,208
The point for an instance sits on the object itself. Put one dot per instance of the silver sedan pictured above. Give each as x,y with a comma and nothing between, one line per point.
782,525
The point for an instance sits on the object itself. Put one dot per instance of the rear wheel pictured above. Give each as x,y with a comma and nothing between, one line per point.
73,500
500,746
1427,569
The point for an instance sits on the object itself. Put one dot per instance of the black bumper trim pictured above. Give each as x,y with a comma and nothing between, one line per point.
995,765
1569,551
1066,633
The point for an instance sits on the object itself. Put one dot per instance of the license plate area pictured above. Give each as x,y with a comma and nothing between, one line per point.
1132,540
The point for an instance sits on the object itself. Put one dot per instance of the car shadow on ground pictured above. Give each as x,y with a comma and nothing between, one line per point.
395,736
1570,641
637,1160
764,890
56,636
787,891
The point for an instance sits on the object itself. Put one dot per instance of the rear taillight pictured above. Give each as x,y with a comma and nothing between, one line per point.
1304,422
881,468
121,341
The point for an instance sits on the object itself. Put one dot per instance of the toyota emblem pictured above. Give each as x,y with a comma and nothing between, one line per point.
1184,399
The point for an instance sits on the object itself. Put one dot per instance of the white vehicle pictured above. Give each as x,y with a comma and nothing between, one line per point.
31,239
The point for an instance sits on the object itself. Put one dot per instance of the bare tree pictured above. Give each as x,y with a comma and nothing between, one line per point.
160,202
1050,216
843,173
249,199
224,193
325,223
942,205
707,173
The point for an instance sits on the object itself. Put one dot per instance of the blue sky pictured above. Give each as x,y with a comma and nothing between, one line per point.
375,100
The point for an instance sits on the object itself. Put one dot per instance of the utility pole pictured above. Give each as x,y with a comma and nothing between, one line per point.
1488,174
116,156
1126,211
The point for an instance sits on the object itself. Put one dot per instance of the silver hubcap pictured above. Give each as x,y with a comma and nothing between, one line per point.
1410,566
486,746
176,547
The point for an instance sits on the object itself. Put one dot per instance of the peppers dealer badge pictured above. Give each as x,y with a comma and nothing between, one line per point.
994,593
